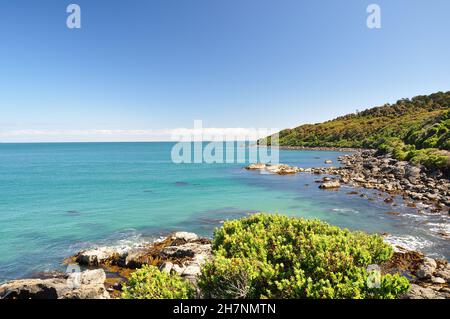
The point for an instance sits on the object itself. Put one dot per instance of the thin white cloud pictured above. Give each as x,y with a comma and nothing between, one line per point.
81,132
108,135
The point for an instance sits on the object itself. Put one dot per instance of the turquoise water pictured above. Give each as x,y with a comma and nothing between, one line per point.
56,199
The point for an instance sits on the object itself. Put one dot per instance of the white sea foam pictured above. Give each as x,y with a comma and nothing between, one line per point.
409,242
345,210
415,216
440,227
131,242
427,213
126,241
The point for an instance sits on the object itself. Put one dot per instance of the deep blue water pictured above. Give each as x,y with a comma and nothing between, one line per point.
56,199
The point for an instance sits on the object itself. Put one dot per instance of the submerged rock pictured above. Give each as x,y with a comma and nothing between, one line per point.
393,213
256,166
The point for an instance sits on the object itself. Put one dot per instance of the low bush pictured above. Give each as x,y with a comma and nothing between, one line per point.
272,256
150,283
431,158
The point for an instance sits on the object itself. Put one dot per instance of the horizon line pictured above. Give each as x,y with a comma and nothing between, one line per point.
92,142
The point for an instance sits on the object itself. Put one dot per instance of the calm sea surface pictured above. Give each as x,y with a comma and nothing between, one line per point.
56,199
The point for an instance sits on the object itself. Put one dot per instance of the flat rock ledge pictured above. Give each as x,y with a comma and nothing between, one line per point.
88,284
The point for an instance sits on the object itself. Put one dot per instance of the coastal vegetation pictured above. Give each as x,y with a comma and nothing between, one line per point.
417,130
150,283
274,256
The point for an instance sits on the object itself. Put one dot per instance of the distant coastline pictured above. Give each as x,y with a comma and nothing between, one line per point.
318,148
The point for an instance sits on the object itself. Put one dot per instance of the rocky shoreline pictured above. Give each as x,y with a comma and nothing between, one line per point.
103,270
320,148
367,170
106,270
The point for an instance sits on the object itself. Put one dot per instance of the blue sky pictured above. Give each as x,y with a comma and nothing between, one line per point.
157,65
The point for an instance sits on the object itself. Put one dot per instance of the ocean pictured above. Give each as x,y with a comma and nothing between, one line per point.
59,198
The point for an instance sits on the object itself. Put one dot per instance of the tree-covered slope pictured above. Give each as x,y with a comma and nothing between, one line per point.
413,129
406,119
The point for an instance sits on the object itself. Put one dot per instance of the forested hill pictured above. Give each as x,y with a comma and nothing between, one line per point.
412,129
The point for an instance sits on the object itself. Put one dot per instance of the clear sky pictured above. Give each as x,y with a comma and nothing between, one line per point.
156,65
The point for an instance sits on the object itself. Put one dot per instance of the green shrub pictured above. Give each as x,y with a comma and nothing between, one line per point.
431,158
272,256
150,283
227,278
